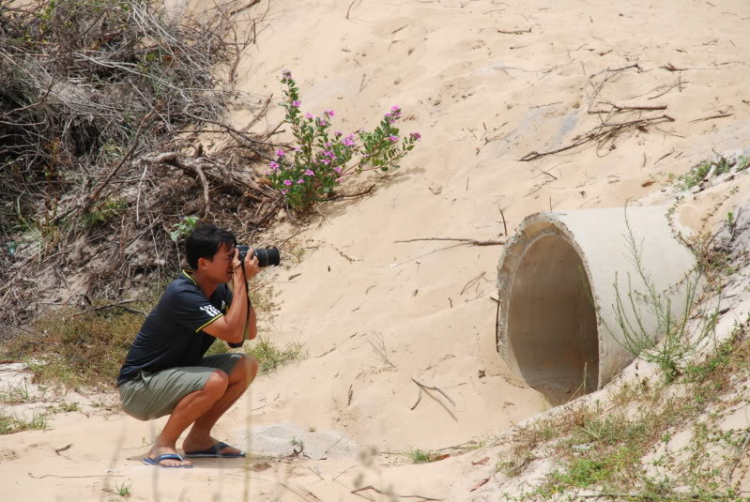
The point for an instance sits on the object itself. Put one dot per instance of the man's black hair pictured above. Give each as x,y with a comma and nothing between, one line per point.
205,242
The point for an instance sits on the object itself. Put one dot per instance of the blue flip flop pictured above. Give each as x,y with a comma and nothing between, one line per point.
167,456
214,452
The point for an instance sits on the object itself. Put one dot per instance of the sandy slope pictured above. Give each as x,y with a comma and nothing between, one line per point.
481,99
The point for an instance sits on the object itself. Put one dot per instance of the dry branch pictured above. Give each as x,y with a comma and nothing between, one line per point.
370,487
516,32
717,116
600,134
472,242
428,387
74,113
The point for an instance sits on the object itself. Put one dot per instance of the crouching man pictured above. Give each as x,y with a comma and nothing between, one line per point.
166,373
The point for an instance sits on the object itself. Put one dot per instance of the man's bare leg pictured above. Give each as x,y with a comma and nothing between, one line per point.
186,412
199,438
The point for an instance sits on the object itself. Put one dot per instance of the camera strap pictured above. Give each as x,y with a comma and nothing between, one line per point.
249,303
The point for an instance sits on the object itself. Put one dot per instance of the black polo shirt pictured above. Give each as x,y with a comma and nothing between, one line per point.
172,334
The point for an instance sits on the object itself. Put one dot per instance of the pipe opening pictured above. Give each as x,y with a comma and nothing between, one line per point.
552,325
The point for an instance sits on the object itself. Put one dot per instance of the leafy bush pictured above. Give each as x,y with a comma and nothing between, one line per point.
322,159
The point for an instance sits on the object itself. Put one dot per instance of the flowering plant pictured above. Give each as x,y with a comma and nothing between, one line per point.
322,159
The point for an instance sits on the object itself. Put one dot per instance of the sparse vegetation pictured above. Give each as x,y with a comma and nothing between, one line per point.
270,357
9,423
92,95
78,348
674,338
631,452
123,490
721,166
15,394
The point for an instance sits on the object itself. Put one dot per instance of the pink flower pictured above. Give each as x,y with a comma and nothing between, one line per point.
337,169
329,113
325,161
280,153
296,103
284,191
288,183
349,140
415,136
395,108
309,116
273,165
286,74
339,180
308,172
300,181
393,138
338,133
322,123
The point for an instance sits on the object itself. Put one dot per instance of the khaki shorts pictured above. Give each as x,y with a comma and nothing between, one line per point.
153,395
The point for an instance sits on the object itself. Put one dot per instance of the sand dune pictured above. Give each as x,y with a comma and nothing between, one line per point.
482,98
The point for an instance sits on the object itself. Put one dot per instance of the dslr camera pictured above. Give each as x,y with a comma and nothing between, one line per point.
266,256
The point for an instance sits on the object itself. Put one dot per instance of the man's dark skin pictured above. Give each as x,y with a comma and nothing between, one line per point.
204,407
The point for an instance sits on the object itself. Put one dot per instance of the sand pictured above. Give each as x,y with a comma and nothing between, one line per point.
482,99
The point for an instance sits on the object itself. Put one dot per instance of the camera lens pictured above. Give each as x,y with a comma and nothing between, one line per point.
268,256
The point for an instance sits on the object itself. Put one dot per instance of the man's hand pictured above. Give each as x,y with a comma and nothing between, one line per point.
251,264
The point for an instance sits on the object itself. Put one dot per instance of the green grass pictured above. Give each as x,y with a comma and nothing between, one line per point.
699,172
123,490
420,457
604,450
270,357
16,394
78,349
66,408
10,424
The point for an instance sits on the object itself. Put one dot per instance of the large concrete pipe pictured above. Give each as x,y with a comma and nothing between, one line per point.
557,320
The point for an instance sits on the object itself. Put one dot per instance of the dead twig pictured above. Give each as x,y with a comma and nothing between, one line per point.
472,282
602,133
717,116
505,226
364,192
419,399
672,68
145,123
437,389
370,487
378,346
472,242
515,32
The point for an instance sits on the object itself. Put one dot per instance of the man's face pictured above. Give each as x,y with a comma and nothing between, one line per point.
219,268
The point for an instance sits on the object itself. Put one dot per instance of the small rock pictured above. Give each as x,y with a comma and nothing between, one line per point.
696,189
482,373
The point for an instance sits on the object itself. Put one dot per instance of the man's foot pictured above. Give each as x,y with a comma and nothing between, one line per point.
157,457
210,448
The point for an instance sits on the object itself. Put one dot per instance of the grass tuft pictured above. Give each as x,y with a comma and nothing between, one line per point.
270,357
10,424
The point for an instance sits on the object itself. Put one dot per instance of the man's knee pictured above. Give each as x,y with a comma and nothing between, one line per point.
216,384
244,370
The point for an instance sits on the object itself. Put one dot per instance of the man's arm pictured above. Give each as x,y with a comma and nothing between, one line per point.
230,327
